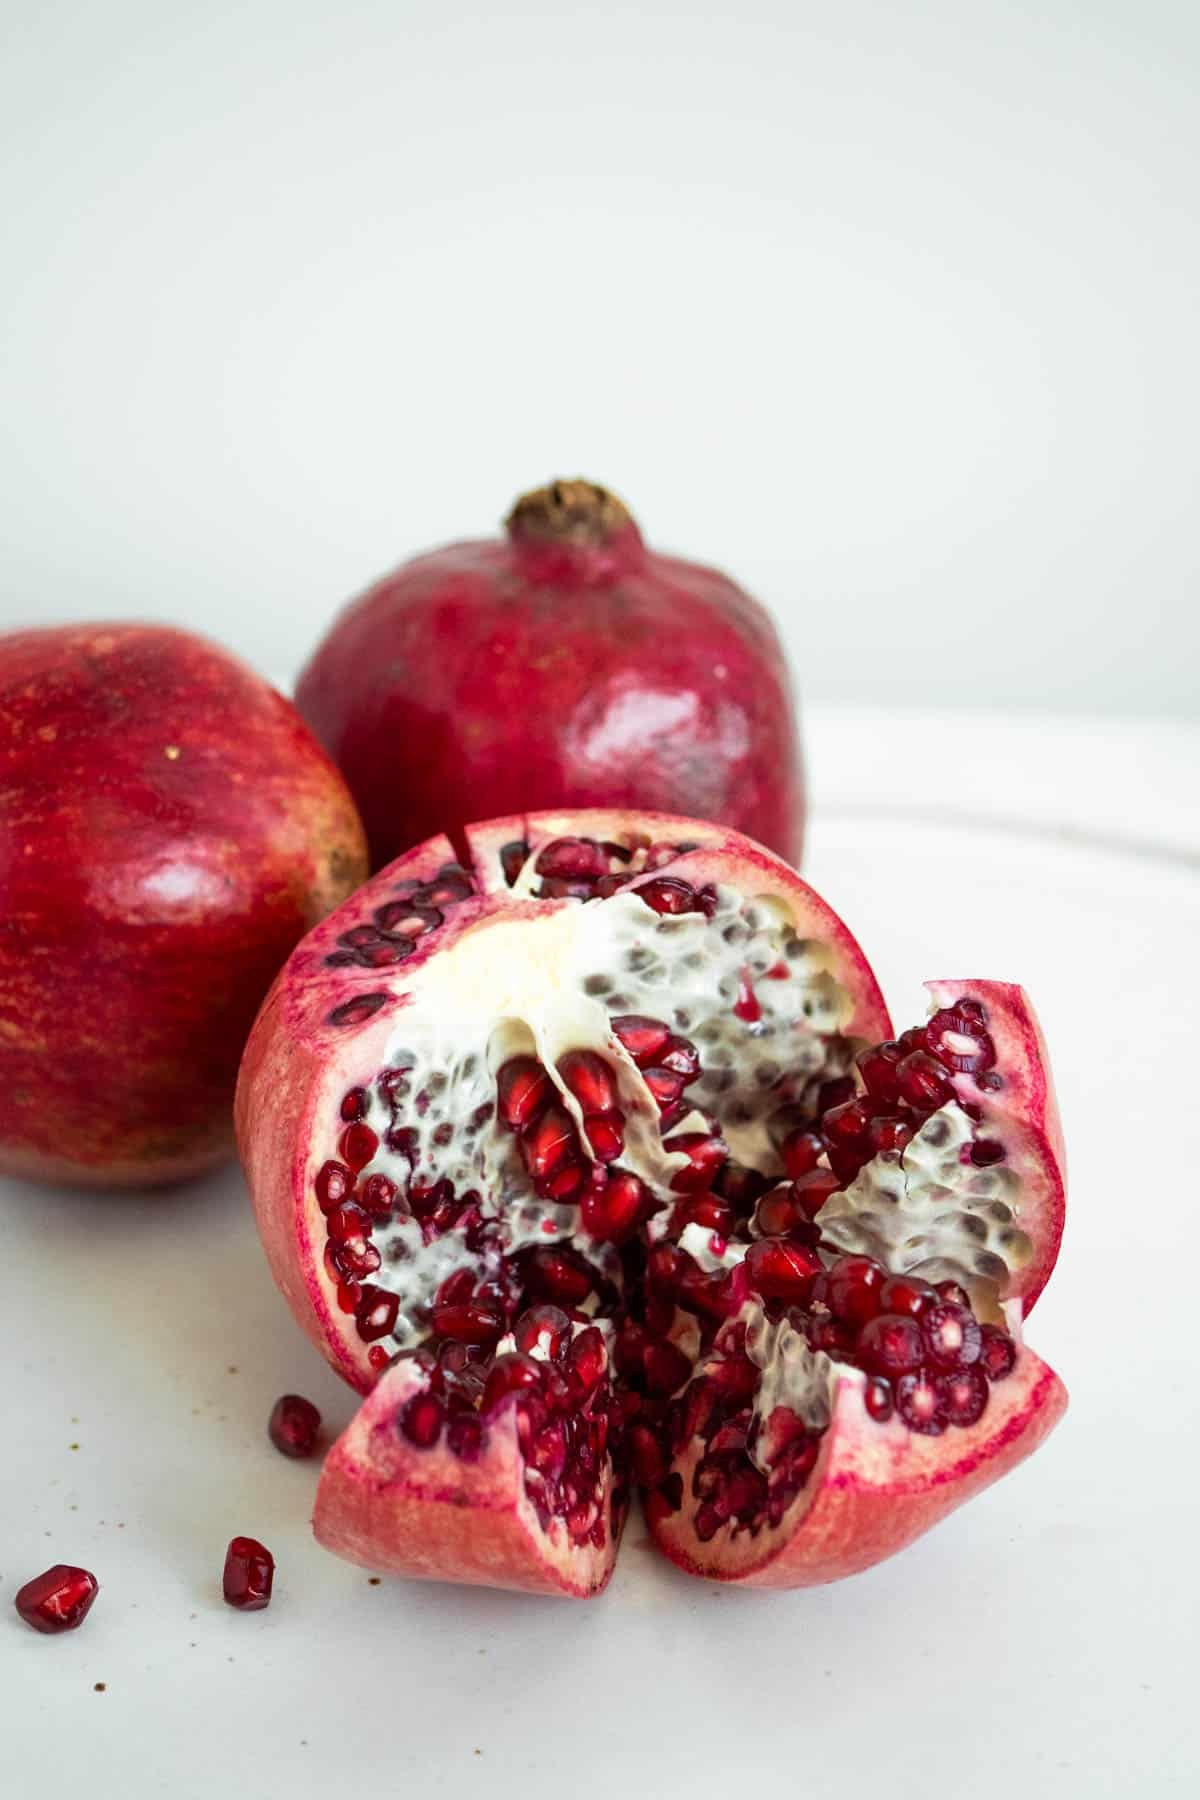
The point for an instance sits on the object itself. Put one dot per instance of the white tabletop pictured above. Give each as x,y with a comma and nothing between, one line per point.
1041,1641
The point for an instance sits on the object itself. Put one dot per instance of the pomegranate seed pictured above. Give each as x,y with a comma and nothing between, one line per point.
450,885
642,1038
566,1185
470,1322
293,1425
746,1006
378,1357
57,1600
681,1056
548,1450
665,1266
249,1574
924,1083
953,1339
919,1404
666,895
811,1191
782,1271
572,859
801,1151
545,1328
957,1038
376,1313
378,1194
421,1420
351,1261
548,1143
509,1373
878,1399
523,1088
606,1135
888,1135
703,1209
735,1377
877,1067
954,1293
666,1368
707,1153
347,1297
559,1275
334,1181
354,1105
348,1224
854,1284
998,1353
408,922
587,1359
964,1395
465,1437
357,1146
778,1211
906,1294
647,1461
358,1010
890,1344
707,1523
912,1039
513,858
665,1087
613,1212
590,1079
846,1124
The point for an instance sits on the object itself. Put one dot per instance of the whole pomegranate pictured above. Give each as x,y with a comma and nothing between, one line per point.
170,829
595,1158
563,665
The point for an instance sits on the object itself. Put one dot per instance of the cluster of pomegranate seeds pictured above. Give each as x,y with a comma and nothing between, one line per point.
395,928
904,1082
580,868
614,1202
249,1574
57,1600
556,1381
293,1425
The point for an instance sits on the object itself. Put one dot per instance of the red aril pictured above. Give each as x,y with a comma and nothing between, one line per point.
57,1600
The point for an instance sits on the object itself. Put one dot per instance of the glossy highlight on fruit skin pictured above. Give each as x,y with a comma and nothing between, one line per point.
802,1378
171,829
563,665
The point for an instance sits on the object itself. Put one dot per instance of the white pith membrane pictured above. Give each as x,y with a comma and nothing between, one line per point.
547,983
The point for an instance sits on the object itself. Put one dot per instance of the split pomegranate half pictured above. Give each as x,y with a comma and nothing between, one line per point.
597,1163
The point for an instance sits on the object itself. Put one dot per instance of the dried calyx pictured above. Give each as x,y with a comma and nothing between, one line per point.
615,1175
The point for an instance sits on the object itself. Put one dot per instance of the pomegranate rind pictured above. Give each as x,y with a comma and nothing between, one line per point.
297,1065
426,1514
1025,1111
874,1489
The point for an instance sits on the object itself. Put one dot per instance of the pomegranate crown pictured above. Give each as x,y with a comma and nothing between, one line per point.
574,512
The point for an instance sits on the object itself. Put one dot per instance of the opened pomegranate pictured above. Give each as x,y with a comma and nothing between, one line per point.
171,829
562,665
596,1160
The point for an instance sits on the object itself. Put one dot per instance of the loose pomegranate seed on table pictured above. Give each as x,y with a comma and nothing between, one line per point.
57,1600
624,1182
249,1575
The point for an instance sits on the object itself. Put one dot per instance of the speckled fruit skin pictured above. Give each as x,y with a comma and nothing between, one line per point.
170,829
570,668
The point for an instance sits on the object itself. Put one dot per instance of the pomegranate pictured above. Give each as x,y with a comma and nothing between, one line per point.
171,830
293,1426
249,1575
563,665
59,1599
594,1161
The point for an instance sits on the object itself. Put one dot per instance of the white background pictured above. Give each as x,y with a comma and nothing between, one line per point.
888,307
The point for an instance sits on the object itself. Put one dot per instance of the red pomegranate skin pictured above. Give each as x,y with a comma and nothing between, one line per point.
564,665
169,829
